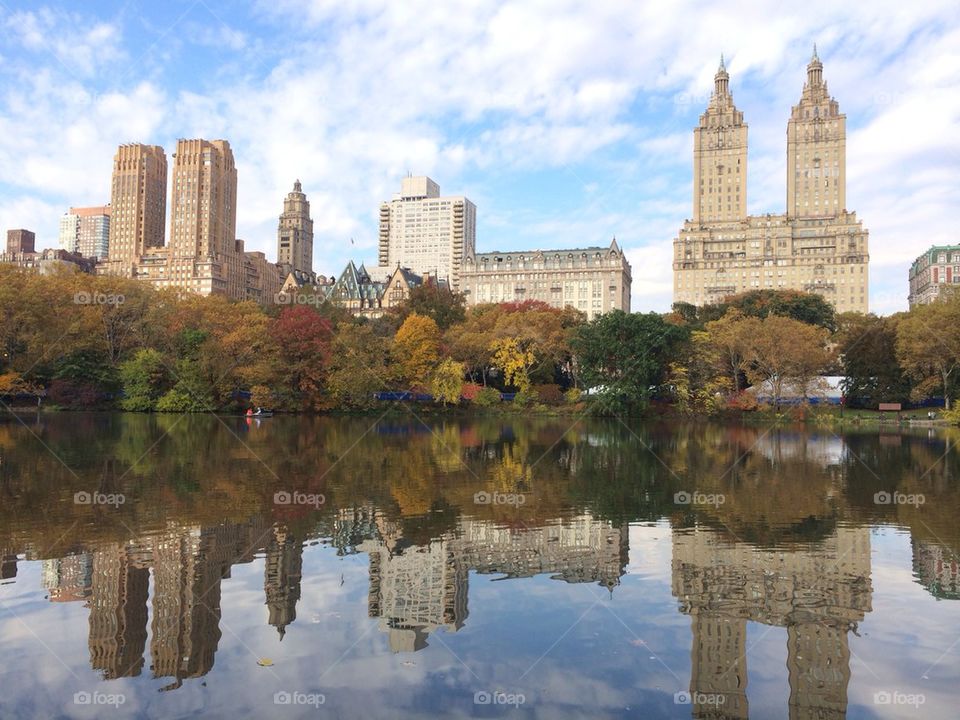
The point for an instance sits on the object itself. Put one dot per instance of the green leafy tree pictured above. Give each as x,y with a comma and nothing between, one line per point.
442,305
867,349
145,379
623,358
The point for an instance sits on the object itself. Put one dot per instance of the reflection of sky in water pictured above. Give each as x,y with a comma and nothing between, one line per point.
570,649
509,599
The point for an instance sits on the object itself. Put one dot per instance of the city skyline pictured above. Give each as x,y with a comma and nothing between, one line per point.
568,152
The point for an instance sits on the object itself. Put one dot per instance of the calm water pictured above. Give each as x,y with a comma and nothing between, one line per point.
169,567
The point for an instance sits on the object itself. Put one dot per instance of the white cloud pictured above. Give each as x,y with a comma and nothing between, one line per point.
493,97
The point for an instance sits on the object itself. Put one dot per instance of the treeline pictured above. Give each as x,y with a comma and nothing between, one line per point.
83,341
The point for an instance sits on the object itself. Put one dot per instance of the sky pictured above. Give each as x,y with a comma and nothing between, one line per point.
567,123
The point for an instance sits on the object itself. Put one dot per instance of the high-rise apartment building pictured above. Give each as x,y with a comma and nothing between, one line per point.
720,157
940,265
86,231
425,232
816,246
295,233
593,280
138,203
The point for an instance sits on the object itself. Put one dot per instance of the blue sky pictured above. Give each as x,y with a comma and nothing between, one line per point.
565,122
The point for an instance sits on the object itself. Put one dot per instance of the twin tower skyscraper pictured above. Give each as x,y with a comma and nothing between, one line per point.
816,246
204,254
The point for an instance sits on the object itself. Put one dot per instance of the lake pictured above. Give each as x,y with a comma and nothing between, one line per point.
298,567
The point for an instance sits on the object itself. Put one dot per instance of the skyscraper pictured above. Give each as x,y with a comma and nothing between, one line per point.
86,231
720,157
817,246
816,150
203,208
138,203
204,255
295,233
425,232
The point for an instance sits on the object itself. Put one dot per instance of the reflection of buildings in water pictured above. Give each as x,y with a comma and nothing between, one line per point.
818,593
8,565
188,566
937,569
69,578
416,589
118,613
188,569
283,570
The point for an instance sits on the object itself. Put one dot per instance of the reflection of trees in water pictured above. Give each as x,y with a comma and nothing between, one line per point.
780,486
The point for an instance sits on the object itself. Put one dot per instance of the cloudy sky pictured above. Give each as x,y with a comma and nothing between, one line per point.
565,122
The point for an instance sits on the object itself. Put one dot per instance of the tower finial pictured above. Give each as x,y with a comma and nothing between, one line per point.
815,57
722,67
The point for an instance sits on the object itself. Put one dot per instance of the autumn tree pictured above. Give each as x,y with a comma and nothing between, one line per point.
303,339
513,361
360,365
416,349
786,352
729,338
928,346
867,350
447,382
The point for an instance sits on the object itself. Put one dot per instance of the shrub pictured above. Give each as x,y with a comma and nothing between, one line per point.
572,396
743,401
525,398
68,393
549,393
487,397
470,391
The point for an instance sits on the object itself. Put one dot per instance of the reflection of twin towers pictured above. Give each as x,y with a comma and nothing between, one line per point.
188,566
819,594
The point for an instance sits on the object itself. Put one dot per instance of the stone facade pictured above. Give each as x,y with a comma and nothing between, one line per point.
21,242
204,255
138,203
816,246
295,233
593,280
425,232
940,265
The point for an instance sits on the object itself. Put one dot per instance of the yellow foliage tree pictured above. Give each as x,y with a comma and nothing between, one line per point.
416,349
513,361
